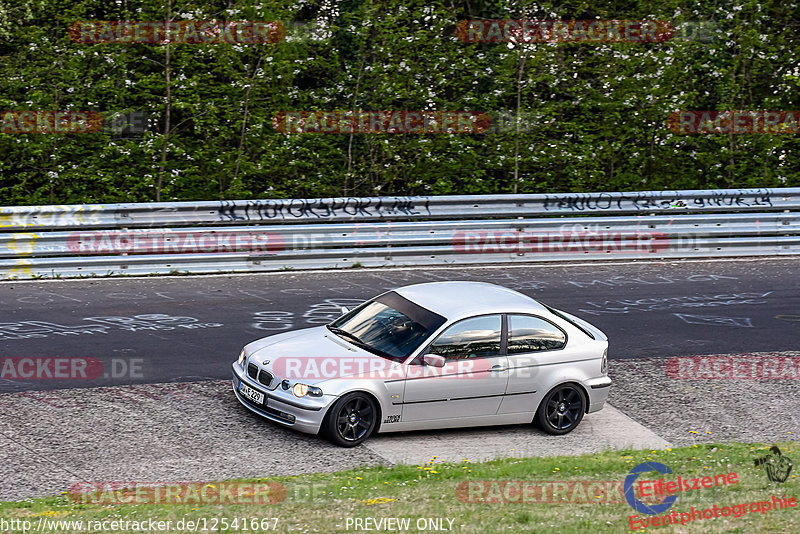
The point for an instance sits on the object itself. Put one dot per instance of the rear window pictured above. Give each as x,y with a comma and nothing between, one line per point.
570,321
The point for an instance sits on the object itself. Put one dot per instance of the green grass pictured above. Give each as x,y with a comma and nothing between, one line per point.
323,502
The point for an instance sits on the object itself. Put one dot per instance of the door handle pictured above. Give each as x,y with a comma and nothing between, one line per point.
498,368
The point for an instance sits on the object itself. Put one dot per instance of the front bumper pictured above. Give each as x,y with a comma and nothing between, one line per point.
599,389
303,414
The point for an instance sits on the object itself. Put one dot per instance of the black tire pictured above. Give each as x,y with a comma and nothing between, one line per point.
561,409
351,420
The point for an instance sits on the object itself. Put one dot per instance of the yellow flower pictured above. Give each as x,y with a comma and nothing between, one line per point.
358,478
378,500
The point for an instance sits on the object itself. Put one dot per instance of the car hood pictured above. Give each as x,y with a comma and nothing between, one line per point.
314,355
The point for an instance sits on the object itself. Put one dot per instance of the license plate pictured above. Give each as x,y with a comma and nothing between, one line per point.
250,393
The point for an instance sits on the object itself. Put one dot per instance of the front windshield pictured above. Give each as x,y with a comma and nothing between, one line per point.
389,326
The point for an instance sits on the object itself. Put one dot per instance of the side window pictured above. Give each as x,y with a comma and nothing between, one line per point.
530,334
478,337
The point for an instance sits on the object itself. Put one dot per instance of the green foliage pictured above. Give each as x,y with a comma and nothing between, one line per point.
594,113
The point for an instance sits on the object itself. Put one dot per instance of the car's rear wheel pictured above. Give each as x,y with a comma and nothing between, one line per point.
351,420
561,409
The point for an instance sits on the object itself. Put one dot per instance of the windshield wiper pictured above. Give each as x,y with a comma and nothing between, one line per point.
345,333
357,341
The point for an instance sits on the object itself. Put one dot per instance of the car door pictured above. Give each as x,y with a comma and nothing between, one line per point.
473,379
535,352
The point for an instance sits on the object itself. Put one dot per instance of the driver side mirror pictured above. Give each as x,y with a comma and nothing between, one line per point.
434,360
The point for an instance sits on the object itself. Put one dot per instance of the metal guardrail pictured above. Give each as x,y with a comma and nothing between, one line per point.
264,235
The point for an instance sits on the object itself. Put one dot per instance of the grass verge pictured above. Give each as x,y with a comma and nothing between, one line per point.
565,494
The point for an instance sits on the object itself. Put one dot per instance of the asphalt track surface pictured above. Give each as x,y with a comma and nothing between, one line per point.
179,336
178,329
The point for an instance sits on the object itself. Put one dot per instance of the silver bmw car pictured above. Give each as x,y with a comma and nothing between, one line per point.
429,356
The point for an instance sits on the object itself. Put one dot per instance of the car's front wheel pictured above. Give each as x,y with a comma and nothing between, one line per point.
351,420
561,409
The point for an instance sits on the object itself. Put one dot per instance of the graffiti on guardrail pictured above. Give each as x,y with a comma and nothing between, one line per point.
322,208
658,200
66,215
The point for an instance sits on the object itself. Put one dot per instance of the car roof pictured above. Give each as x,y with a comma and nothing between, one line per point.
457,299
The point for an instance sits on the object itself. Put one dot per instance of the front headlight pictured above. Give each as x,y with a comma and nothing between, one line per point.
241,357
604,364
301,390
